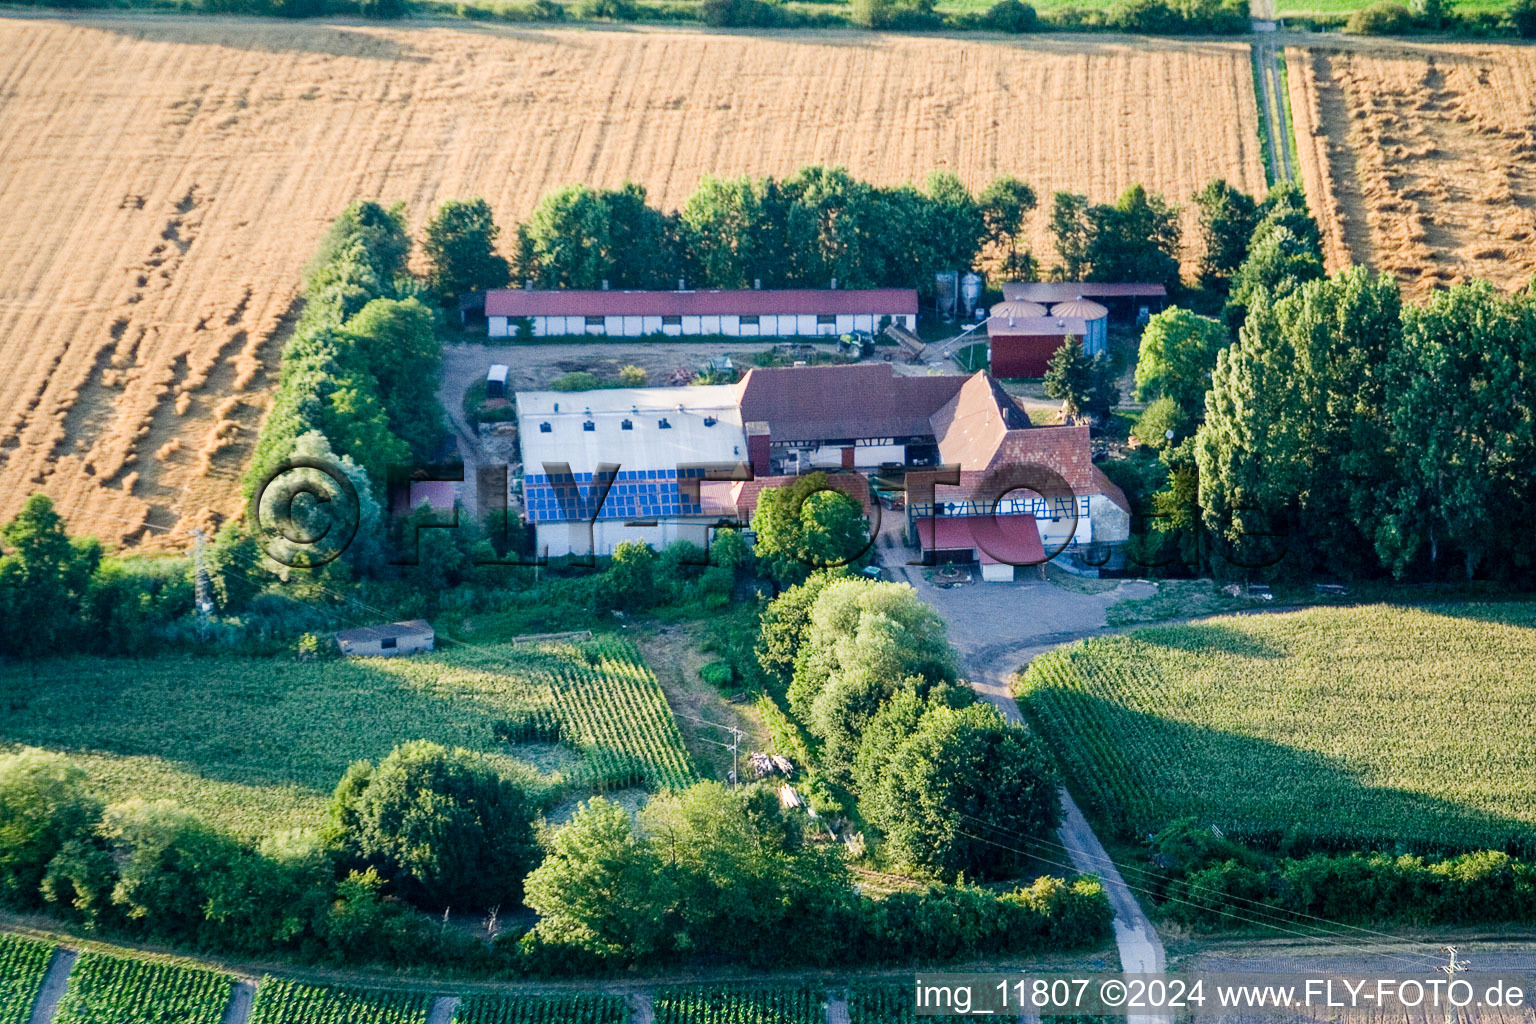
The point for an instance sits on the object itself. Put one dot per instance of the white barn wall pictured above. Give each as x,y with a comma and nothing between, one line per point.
768,326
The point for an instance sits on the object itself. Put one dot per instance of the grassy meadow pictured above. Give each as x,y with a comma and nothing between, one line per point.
1373,725
257,745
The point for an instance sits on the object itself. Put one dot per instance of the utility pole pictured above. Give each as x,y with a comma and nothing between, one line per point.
1450,971
202,584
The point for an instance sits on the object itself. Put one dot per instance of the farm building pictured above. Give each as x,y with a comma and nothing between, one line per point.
656,437
390,639
1022,336
740,313
1025,493
621,464
839,417
1125,301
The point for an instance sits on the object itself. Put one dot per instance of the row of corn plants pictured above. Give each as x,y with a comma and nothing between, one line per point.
23,962
1340,727
279,1001
107,989
723,1004
569,1008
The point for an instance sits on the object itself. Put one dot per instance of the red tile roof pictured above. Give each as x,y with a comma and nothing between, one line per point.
971,425
999,540
750,302
748,492
805,403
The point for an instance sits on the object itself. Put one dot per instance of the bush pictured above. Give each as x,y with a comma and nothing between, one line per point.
449,829
717,674
1158,420
1012,16
894,14
44,804
738,13
617,10
1383,18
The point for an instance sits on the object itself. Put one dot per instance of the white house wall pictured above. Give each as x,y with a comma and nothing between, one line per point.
768,326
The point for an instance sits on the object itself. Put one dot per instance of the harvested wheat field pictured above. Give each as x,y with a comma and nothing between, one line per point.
1421,162
165,179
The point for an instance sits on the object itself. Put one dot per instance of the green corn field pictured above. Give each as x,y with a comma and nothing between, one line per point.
1345,727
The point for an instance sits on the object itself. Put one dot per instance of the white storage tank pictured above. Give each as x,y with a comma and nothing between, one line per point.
970,293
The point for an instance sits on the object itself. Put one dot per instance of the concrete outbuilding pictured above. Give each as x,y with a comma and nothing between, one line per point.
390,639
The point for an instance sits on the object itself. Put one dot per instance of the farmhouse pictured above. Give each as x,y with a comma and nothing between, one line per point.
751,312
1024,494
1022,336
663,464
383,641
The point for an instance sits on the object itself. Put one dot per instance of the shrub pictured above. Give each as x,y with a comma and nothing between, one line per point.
1383,18
1012,16
44,804
447,827
1158,420
738,13
717,674
617,10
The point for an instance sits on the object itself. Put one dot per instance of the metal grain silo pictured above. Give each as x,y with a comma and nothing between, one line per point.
1095,316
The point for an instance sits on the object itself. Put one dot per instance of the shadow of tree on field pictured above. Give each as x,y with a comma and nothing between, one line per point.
1134,772
250,721
331,37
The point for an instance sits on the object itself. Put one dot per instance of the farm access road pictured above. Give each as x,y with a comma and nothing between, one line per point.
997,628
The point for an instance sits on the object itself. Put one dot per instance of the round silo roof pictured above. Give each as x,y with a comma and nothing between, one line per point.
1018,309
1079,309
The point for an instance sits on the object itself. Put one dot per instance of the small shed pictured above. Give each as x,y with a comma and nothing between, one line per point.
383,641
496,381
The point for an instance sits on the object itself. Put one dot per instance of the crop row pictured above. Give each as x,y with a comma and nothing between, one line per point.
728,1005
114,990
1342,727
279,1001
571,1008
882,1004
615,711
23,963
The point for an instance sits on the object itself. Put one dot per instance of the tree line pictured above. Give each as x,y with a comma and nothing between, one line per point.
892,739
822,224
1153,17
1323,425
705,873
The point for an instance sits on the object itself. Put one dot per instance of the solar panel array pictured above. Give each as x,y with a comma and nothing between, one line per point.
634,494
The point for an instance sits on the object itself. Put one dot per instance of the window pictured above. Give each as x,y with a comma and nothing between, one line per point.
671,321
545,428
824,319
389,643
627,425
749,321
589,426
596,321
